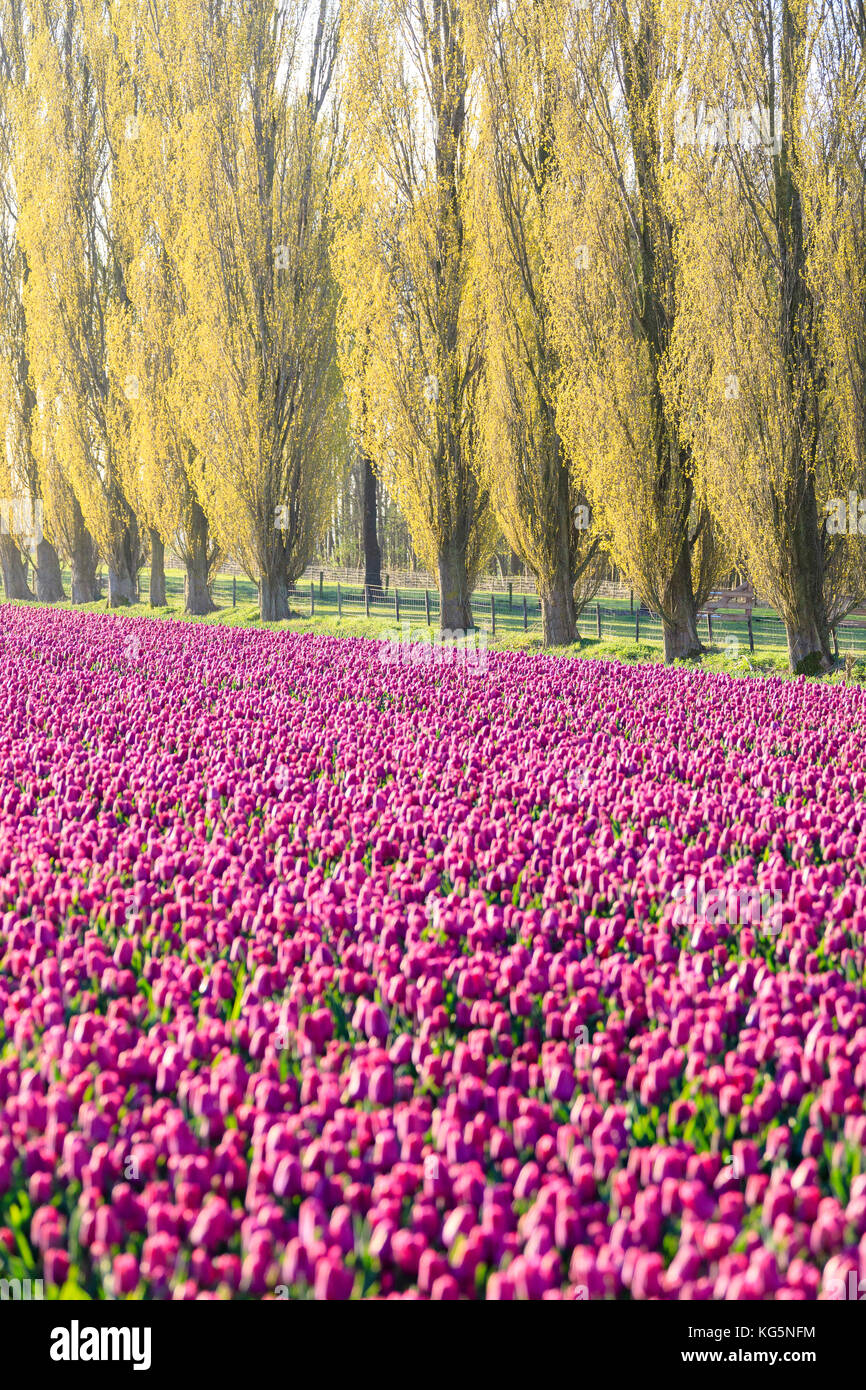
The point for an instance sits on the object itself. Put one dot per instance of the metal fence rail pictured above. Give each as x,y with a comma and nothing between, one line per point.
494,610
502,611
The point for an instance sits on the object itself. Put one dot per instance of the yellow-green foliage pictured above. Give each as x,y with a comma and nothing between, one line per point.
768,357
521,453
612,278
69,116
260,384
412,342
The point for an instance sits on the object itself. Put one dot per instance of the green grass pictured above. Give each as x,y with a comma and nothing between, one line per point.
766,660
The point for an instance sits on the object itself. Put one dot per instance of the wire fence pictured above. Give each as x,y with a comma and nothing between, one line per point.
353,577
496,611
512,612
503,611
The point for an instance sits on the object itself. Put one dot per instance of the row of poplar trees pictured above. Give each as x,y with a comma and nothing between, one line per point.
591,273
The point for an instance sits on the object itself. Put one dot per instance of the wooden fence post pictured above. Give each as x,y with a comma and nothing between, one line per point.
339,601
493,615
637,624
525,616
234,591
598,620
397,603
312,598
367,599
427,605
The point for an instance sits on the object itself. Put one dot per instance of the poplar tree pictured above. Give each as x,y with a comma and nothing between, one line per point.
413,347
763,335
614,284
537,499
71,233
21,484
261,392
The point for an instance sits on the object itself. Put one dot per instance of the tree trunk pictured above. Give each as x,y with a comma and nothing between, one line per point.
274,598
49,581
806,623
372,551
83,560
680,628
14,574
556,590
197,594
157,570
455,606
121,583
123,567
808,644
805,612
558,618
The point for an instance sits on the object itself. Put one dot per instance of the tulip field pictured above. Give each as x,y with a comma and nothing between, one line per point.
326,978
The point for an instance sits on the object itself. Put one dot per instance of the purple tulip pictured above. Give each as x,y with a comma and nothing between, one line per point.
305,959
